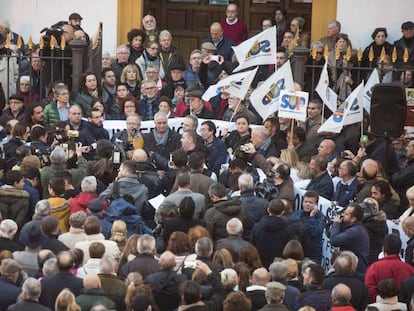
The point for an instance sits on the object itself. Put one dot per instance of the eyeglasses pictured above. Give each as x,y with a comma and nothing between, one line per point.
150,88
319,52
152,72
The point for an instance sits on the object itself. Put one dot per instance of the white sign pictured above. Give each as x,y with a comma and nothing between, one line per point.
293,105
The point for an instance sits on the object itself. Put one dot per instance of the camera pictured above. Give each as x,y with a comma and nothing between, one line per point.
369,209
244,148
344,154
55,30
214,57
72,135
267,189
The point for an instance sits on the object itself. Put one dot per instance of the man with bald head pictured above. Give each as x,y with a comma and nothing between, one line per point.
344,274
368,176
92,293
341,297
327,149
222,44
147,173
256,291
52,285
167,297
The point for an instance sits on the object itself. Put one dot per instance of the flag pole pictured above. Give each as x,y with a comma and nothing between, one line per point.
235,111
291,131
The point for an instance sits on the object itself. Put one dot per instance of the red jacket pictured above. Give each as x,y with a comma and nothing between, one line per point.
390,266
80,202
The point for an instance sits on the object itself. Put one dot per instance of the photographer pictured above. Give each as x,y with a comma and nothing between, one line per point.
131,137
59,158
39,146
84,135
346,230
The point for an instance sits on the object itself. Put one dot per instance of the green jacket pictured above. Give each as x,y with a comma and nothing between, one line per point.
90,296
78,174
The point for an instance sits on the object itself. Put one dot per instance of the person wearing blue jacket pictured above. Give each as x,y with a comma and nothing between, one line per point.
314,223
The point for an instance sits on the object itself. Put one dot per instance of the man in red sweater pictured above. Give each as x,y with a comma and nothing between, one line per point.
234,28
390,266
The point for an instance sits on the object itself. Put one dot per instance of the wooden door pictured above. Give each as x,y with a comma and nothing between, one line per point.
189,20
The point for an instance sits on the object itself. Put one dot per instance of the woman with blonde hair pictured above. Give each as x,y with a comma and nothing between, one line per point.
290,157
65,301
223,257
130,250
118,233
131,77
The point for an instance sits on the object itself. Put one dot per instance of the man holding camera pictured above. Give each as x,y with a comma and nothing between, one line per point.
84,134
348,233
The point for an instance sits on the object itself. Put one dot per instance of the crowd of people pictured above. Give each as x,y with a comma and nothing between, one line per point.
197,219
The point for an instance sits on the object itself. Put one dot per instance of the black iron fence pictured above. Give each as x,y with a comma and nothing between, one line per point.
59,60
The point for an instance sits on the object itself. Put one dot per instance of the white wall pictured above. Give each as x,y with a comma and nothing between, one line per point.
28,17
360,17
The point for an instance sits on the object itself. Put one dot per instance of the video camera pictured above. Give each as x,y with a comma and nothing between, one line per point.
55,30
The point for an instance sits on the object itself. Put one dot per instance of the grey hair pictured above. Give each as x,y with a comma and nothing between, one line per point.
316,44
165,33
234,226
245,181
262,131
58,155
8,229
122,46
107,265
42,208
160,114
146,244
50,267
89,184
152,66
33,288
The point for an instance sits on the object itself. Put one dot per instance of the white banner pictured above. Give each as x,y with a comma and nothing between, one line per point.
328,96
372,81
265,98
293,105
258,50
354,106
113,126
325,206
237,85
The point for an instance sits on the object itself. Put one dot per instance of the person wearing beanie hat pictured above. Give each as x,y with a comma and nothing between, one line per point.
10,270
32,237
16,108
405,42
76,232
97,207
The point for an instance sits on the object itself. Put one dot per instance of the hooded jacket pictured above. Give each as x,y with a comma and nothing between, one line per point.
14,204
270,236
222,211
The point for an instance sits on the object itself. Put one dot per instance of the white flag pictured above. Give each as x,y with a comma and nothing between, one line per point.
293,105
334,124
265,98
372,81
354,105
258,50
328,96
350,114
237,85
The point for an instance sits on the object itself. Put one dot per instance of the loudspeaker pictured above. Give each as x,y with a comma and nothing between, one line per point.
388,110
